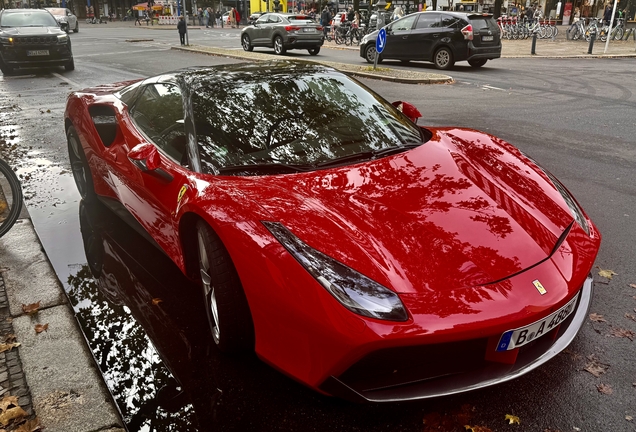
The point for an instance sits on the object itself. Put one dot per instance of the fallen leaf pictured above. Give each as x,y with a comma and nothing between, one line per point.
8,401
11,414
31,309
48,110
596,368
630,316
10,338
8,346
606,273
39,328
478,428
512,419
597,318
605,389
629,418
30,426
156,301
632,285
622,333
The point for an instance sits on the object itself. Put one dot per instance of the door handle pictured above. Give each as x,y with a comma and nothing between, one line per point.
436,35
405,37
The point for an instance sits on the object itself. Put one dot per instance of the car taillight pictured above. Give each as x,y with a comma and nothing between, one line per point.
319,28
292,28
468,32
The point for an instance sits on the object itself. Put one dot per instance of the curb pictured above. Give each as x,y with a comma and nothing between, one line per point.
343,67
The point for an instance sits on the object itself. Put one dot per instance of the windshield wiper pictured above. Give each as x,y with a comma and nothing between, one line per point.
368,155
264,167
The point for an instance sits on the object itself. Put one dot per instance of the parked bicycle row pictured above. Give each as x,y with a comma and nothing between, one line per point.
584,28
513,28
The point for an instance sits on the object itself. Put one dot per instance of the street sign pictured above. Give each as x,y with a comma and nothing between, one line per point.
380,42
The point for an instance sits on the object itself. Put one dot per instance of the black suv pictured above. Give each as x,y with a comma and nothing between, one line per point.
32,38
439,37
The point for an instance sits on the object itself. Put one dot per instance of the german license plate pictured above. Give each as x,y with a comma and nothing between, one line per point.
37,53
487,38
309,30
519,337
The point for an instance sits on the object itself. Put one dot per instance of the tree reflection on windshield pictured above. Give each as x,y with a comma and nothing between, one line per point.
295,115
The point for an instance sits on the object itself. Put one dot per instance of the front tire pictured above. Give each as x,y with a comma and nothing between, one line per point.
225,303
279,48
314,51
79,166
247,44
443,58
370,53
70,65
76,29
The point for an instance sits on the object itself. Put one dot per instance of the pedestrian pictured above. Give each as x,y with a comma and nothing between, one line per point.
577,14
138,20
350,14
325,20
205,16
607,15
200,16
181,27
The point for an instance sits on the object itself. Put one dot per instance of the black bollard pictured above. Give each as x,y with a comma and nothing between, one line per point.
592,39
533,50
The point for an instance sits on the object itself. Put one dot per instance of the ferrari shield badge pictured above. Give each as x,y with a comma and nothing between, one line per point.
539,287
182,192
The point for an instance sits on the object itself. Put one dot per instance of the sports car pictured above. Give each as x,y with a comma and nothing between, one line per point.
361,254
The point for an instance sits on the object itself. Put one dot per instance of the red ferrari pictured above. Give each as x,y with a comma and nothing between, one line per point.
364,256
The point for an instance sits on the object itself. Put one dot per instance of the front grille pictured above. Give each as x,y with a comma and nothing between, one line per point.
30,40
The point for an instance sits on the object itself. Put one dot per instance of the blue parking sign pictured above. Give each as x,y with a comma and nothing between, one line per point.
380,42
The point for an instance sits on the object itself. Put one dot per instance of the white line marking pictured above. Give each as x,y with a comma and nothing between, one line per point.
119,53
63,78
493,88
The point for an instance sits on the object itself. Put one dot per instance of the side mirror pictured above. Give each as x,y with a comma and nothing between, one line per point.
408,109
145,157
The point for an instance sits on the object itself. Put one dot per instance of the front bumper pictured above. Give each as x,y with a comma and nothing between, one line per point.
415,372
16,56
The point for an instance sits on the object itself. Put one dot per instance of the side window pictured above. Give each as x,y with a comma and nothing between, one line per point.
449,21
428,20
159,115
405,24
274,19
262,20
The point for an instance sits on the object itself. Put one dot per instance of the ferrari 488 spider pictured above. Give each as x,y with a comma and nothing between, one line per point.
359,253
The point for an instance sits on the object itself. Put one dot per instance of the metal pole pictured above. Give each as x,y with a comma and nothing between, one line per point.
609,32
592,39
534,43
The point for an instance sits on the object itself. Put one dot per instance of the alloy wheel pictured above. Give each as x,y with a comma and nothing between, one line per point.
208,289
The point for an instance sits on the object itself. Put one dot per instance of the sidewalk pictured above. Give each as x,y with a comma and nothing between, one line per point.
52,373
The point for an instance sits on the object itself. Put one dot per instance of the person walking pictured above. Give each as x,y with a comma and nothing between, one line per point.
181,27
138,20
607,15
206,17
325,20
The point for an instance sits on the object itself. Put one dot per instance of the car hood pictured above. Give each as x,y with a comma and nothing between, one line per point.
32,31
463,209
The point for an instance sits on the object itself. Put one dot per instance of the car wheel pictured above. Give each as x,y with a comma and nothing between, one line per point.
443,58
92,238
225,303
370,53
247,45
314,51
79,166
76,29
70,65
477,63
279,48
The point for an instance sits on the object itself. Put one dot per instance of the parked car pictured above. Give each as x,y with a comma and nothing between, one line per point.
65,18
363,255
32,38
283,31
439,37
252,19
226,18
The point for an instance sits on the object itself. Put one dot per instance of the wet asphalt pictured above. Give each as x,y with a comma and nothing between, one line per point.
575,117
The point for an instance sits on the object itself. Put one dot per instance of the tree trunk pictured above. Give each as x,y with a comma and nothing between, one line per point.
497,11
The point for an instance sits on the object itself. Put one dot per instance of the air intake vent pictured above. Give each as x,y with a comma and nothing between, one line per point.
105,122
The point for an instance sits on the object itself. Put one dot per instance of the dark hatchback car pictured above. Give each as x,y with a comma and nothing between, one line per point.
283,31
439,37
32,38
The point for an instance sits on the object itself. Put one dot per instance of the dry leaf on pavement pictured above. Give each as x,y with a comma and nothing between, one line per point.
632,285
629,418
156,301
512,419
605,389
29,426
10,410
477,428
39,328
622,333
10,338
596,369
597,318
606,273
8,346
630,316
31,309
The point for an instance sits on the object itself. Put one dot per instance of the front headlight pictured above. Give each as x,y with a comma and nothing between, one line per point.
571,202
62,38
6,40
353,290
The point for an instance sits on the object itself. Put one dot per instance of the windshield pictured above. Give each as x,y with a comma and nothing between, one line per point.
57,11
28,19
300,119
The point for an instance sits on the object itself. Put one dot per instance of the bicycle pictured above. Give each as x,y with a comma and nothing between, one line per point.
10,197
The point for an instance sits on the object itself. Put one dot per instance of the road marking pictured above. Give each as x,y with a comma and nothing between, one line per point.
492,88
120,53
63,78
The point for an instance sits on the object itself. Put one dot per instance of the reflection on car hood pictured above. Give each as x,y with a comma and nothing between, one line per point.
464,209
31,31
